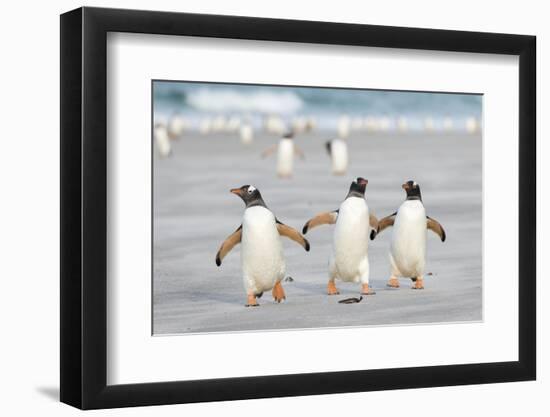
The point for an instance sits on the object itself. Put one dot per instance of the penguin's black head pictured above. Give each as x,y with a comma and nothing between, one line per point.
413,190
289,135
250,195
357,187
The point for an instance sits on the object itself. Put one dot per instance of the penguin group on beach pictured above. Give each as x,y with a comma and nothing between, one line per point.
262,258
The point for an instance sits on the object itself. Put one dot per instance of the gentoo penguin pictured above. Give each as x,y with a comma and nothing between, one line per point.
219,123
408,243
205,126
338,151
402,124
448,124
349,261
246,132
273,124
162,140
176,126
344,125
233,124
472,126
262,258
286,149
429,124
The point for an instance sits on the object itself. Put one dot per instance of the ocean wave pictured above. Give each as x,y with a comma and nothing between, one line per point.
222,101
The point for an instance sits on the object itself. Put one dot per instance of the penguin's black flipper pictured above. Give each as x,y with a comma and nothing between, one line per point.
321,218
292,234
386,222
373,223
269,151
228,244
435,227
328,146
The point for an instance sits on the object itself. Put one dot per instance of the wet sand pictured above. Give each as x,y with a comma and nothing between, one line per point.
194,212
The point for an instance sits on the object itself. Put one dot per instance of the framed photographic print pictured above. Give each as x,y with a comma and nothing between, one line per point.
256,208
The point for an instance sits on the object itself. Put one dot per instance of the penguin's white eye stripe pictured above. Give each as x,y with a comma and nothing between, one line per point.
414,183
251,189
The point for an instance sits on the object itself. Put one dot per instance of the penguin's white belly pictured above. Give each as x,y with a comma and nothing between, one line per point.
285,157
408,245
351,240
339,154
262,256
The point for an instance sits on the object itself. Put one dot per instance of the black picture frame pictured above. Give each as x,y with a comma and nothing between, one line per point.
84,207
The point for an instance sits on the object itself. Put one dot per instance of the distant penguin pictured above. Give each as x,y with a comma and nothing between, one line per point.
371,124
162,140
408,242
311,124
384,123
344,125
246,133
286,149
219,123
349,261
357,123
448,124
205,126
176,126
299,124
262,258
472,125
338,151
429,124
274,125
402,124
233,124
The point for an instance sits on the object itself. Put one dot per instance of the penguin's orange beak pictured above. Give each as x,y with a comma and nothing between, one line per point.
405,186
237,191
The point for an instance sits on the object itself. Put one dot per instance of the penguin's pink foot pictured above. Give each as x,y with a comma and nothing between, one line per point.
393,282
365,290
418,284
251,301
278,292
331,288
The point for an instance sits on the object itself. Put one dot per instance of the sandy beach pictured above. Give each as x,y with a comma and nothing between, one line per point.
194,212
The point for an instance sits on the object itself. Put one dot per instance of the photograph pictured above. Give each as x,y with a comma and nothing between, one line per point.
302,207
